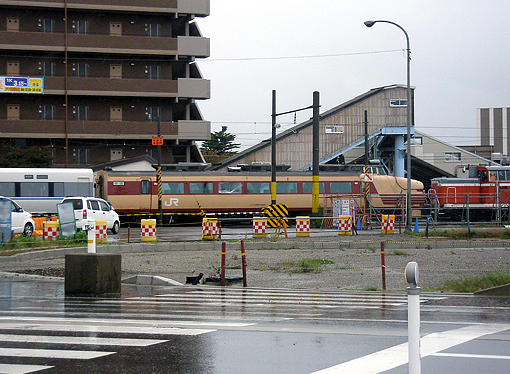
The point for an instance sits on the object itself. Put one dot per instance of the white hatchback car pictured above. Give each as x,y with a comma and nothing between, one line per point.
86,208
21,221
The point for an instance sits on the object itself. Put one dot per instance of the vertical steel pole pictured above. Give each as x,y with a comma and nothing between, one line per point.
243,261
383,266
223,263
413,315
316,155
160,205
273,149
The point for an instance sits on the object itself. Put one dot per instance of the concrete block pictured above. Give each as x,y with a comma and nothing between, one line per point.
92,274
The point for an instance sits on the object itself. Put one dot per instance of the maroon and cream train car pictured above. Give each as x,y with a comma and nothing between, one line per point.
243,192
487,189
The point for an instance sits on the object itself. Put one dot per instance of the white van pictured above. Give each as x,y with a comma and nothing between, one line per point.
86,208
21,221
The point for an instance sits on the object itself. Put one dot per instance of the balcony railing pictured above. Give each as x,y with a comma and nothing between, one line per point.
153,6
86,129
111,87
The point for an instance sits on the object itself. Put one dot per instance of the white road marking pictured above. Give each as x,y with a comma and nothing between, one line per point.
105,329
79,340
467,355
21,369
396,356
52,353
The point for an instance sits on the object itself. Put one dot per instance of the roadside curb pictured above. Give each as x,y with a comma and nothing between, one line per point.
255,245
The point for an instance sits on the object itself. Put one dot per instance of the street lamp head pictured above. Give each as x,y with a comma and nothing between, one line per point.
370,23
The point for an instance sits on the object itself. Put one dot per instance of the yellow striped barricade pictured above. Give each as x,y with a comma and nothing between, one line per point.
148,230
209,228
50,230
303,226
101,231
344,225
259,227
388,224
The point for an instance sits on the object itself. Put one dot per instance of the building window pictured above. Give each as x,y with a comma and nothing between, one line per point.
81,113
48,69
153,113
334,129
48,25
452,156
417,140
48,112
81,156
153,72
81,27
398,103
153,29
81,69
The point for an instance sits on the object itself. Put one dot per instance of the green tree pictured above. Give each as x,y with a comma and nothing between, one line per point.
16,156
220,144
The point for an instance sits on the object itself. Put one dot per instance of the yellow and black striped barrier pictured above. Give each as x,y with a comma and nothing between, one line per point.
276,213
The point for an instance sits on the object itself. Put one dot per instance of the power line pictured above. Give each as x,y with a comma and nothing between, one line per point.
300,57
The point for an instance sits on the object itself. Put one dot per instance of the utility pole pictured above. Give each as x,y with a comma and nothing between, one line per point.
316,155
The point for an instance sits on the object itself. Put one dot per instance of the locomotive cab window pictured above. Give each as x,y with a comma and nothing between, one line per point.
230,187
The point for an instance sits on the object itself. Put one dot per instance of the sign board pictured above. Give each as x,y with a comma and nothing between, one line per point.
343,207
369,178
66,219
22,85
5,221
157,140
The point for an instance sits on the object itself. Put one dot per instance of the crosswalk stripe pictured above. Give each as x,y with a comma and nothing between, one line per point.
124,322
106,329
21,369
52,353
77,340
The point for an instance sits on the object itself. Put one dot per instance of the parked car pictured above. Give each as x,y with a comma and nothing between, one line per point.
21,221
94,208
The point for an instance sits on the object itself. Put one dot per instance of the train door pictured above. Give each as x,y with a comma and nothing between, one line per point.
451,195
145,198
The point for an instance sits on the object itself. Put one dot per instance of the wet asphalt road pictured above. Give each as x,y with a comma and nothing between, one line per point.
205,329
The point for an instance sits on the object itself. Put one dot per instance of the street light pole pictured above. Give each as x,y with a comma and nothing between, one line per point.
408,158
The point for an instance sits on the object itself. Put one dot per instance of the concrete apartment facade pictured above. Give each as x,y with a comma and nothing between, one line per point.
110,71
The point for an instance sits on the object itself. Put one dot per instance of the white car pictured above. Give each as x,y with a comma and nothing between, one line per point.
86,208
21,221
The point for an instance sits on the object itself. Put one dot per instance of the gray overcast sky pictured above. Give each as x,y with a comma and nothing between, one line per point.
460,52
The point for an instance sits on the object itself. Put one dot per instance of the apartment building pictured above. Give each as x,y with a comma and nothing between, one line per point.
96,80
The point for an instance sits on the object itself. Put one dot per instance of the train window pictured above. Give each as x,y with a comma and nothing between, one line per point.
286,187
34,189
501,175
484,176
257,187
340,187
307,187
508,175
145,186
8,189
230,187
201,187
58,189
172,187
493,176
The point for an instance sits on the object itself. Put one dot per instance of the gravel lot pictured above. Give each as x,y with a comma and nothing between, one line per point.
354,267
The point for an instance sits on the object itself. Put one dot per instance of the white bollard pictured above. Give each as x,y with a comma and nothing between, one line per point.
91,235
413,317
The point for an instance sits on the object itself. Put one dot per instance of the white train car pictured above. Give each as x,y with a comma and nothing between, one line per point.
39,190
